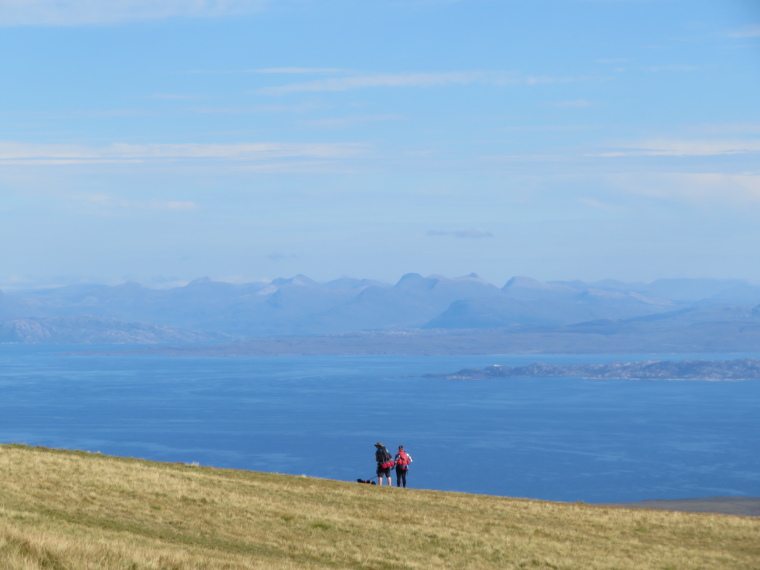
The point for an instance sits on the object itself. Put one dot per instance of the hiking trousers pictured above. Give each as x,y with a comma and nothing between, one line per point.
400,476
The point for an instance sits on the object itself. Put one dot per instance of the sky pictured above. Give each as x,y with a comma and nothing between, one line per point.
160,141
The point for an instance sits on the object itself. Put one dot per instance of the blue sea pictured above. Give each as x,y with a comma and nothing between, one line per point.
565,439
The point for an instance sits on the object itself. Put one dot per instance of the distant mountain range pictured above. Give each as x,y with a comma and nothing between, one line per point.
675,314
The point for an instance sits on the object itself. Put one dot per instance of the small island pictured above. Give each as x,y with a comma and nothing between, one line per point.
708,370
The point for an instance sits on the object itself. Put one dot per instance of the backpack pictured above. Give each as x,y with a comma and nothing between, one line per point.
403,460
384,458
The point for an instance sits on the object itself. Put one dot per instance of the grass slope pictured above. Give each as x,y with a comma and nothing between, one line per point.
68,509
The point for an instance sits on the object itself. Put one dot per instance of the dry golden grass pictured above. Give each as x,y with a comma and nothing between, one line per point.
66,509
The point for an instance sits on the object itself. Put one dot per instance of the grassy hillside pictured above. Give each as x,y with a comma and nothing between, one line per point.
65,509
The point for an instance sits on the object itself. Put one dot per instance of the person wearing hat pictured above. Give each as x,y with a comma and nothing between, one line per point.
384,463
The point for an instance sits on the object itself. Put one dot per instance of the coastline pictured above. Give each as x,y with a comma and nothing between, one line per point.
739,369
741,506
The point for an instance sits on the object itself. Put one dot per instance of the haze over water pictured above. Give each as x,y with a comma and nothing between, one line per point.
549,438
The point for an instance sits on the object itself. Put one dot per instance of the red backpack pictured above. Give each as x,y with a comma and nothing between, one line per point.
402,460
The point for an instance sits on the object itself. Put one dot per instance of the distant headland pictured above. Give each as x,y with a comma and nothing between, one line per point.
710,370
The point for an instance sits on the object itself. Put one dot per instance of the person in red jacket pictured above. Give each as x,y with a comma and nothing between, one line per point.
402,460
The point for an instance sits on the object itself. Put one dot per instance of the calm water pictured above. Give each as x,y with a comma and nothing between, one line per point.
558,439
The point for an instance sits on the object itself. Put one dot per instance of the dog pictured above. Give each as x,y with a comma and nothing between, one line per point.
367,481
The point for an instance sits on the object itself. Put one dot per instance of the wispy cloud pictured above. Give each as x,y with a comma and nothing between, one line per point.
109,202
724,129
350,121
24,153
377,80
248,109
752,31
685,147
274,71
300,70
173,97
596,204
547,128
460,234
302,167
412,80
574,104
671,68
277,256
706,189
89,12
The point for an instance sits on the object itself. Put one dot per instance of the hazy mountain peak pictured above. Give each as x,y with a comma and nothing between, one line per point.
520,282
416,281
615,285
472,278
350,283
625,296
528,284
299,280
409,277
690,290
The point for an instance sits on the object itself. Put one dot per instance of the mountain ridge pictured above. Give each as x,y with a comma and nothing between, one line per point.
210,311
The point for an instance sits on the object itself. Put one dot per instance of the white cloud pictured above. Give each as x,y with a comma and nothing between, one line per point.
573,104
89,12
724,129
614,60
277,256
540,80
350,121
298,108
176,206
299,70
596,204
109,202
752,31
706,189
274,70
173,97
300,167
685,147
378,80
670,68
412,80
25,153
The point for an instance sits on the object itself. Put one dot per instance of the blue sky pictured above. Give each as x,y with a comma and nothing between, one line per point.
165,140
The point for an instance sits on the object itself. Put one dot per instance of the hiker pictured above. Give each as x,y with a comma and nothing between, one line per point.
384,463
402,461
